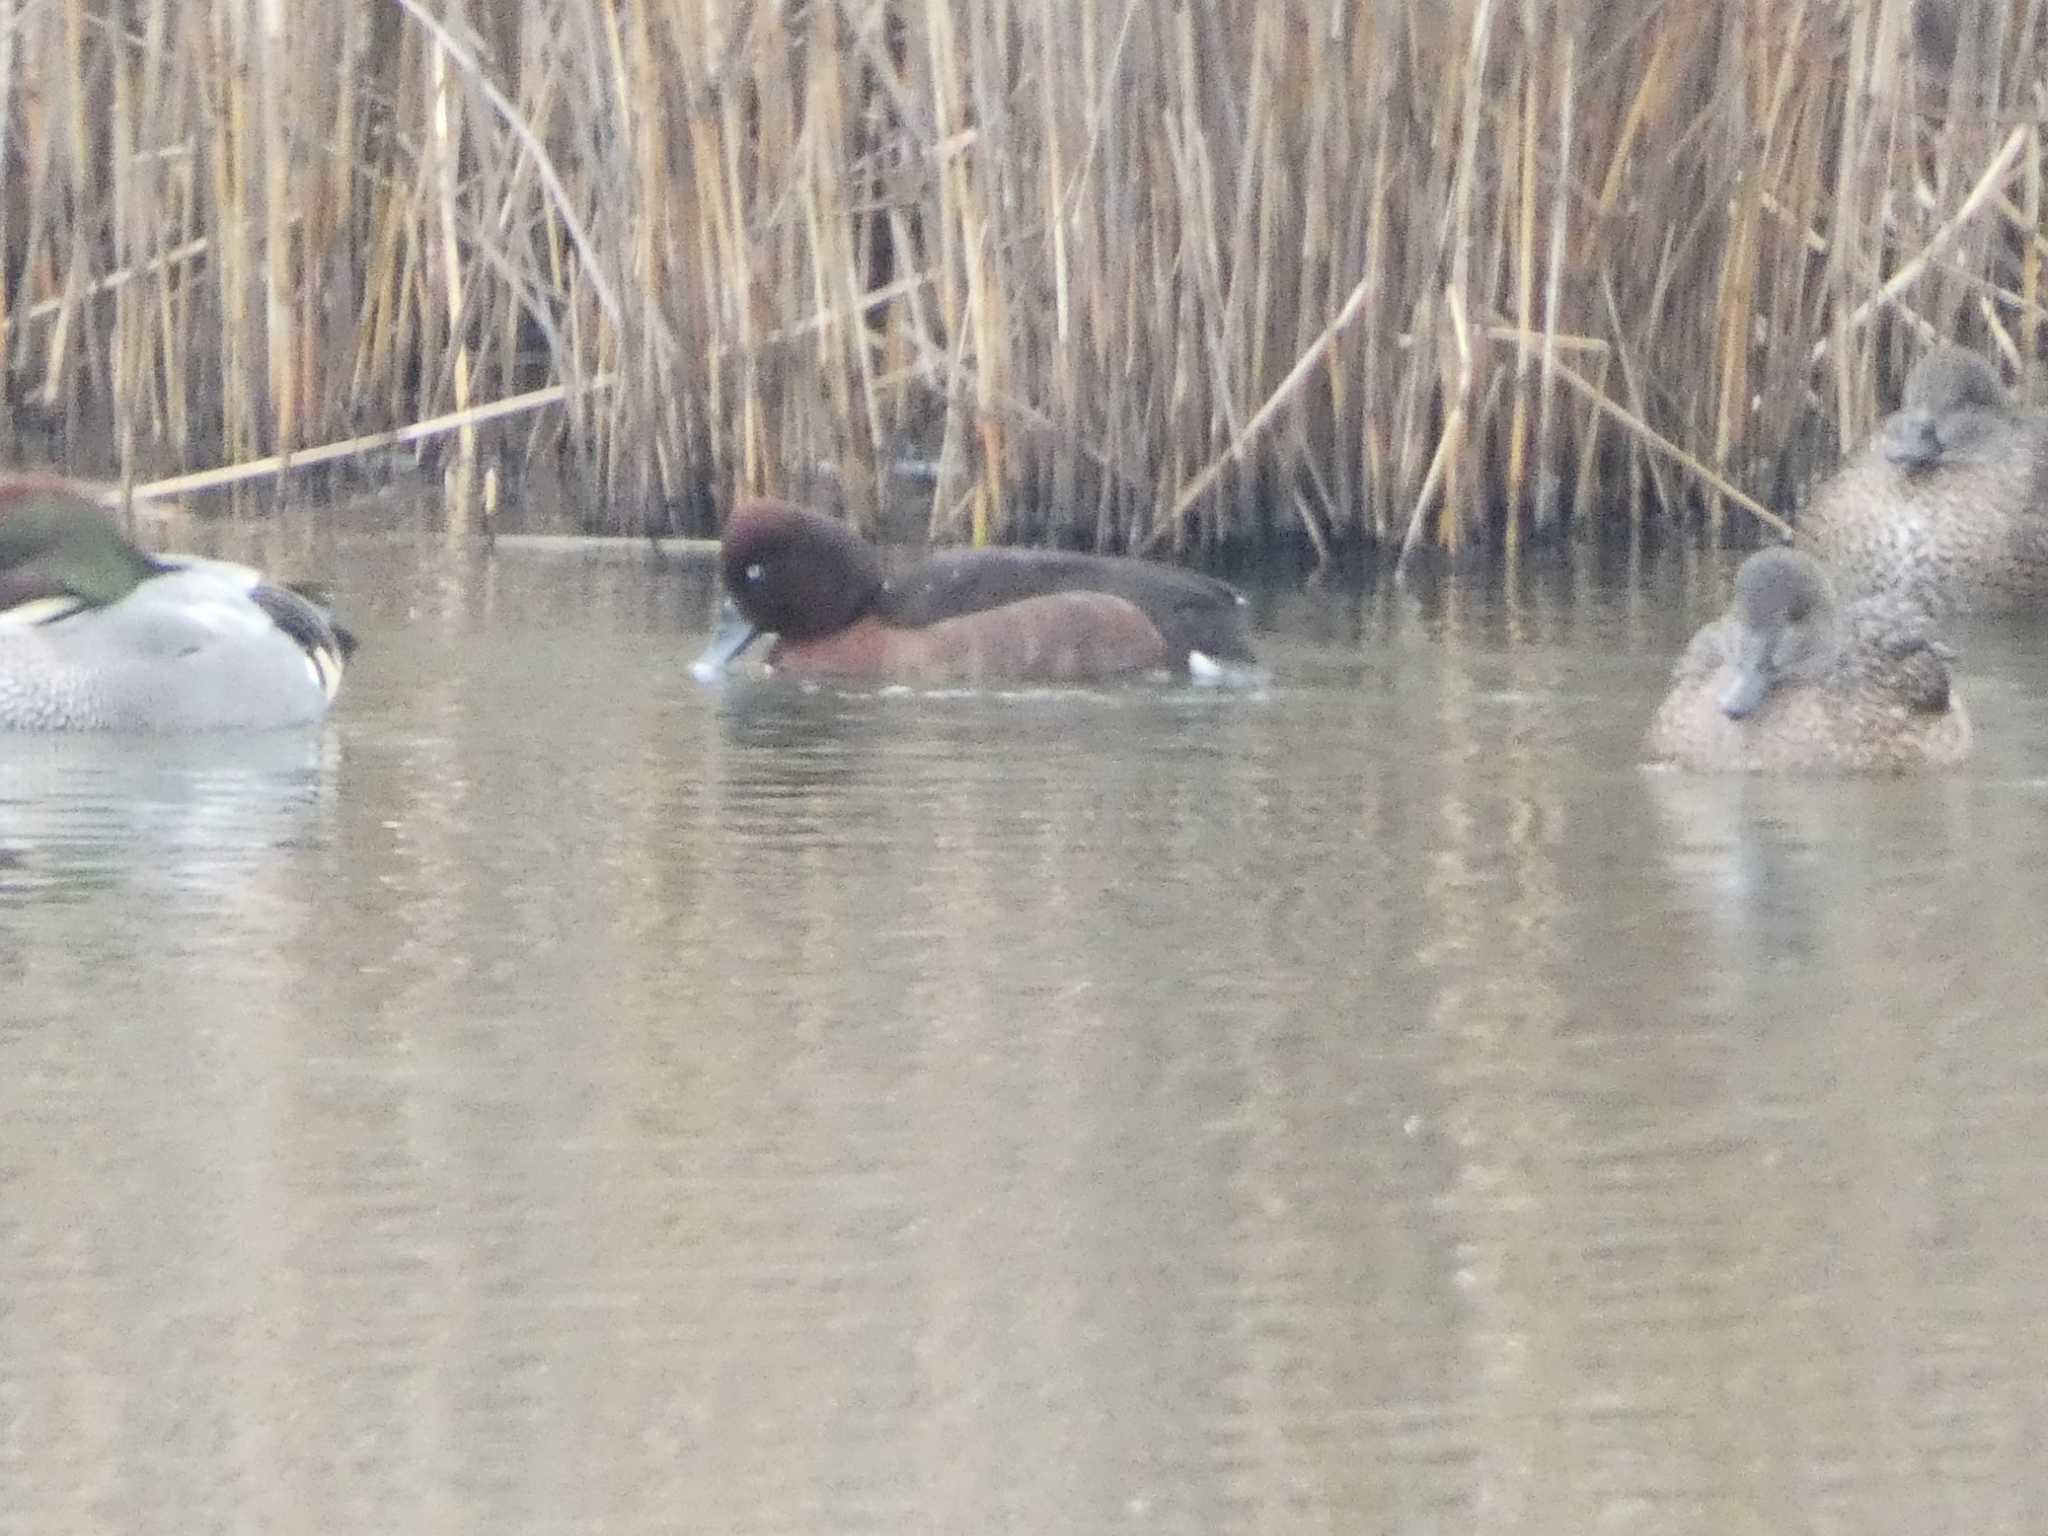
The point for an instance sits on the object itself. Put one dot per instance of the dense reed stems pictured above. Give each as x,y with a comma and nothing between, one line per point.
1406,273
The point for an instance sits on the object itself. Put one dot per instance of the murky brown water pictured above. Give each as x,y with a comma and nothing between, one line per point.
559,1098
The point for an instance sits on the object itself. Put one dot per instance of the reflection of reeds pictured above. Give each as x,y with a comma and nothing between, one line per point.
1124,272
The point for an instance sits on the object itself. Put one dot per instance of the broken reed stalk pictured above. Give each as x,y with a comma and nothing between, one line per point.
370,442
1127,273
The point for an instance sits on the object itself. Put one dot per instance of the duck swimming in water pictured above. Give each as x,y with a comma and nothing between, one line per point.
1948,503
96,635
1787,682
969,616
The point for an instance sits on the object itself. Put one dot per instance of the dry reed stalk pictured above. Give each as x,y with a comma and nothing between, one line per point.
172,314
1528,126
279,319
639,85
1091,254
830,231
466,420
1304,367
1063,164
142,88
1651,464
1371,435
1553,290
717,235
1988,186
1589,448
1463,221
966,303
1702,471
126,370
9,29
342,231
384,285
461,481
2030,250
75,139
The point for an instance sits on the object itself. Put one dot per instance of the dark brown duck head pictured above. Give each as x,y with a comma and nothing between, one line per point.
795,573
1785,628
1951,405
791,573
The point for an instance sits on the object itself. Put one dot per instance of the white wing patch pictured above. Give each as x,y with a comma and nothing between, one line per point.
40,610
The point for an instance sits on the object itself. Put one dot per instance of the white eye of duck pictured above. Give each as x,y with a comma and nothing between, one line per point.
753,572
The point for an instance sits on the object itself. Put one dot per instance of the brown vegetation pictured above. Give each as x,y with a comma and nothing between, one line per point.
1129,272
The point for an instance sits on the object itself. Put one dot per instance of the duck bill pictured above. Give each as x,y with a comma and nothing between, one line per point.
734,634
1750,685
1910,439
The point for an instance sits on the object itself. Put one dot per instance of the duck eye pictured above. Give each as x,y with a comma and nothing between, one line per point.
753,572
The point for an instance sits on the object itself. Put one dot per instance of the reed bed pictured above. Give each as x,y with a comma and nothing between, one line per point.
1125,273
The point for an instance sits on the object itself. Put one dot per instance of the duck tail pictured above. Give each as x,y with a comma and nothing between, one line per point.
328,645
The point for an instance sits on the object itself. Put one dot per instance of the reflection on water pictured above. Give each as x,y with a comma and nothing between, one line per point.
556,1096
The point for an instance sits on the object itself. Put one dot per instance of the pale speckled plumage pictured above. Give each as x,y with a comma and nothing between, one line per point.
1948,502
1863,688
194,645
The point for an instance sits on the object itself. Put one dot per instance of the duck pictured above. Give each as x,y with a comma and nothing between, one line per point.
1948,501
1788,680
962,616
97,635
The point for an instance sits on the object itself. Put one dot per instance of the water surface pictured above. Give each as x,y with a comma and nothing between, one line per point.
556,1096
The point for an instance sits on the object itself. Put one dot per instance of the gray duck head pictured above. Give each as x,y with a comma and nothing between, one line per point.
1784,621
1952,402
